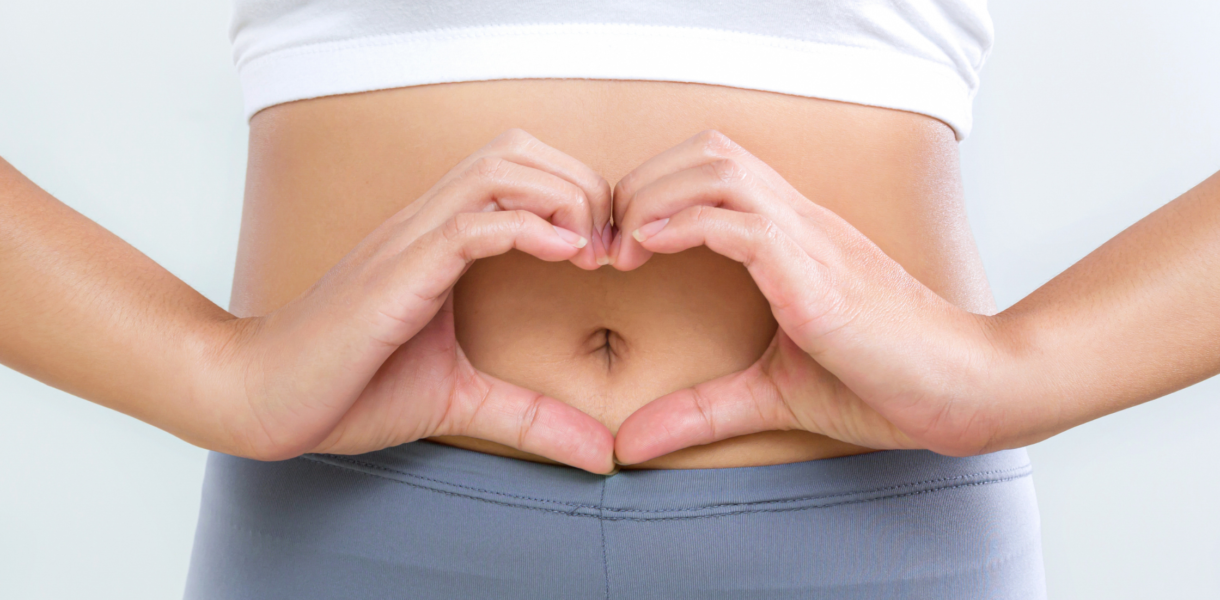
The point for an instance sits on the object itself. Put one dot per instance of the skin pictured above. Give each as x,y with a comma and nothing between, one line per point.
1136,319
364,359
370,336
325,172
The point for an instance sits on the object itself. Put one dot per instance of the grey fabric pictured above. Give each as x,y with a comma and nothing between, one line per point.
425,520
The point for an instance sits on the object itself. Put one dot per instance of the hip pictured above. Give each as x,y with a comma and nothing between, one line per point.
425,520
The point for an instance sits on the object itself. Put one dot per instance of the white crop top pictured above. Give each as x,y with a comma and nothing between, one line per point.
922,56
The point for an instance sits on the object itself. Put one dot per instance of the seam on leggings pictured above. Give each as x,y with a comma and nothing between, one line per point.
601,522
369,465
576,506
715,516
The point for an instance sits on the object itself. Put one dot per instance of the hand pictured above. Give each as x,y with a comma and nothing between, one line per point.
367,359
864,353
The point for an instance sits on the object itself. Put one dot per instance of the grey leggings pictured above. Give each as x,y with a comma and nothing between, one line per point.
425,520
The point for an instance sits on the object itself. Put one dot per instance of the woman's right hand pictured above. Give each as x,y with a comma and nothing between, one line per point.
367,358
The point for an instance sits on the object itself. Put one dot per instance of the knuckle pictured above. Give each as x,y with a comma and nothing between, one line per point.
528,420
728,171
702,214
625,186
602,185
715,143
518,219
457,227
576,197
703,406
764,227
516,139
602,193
489,167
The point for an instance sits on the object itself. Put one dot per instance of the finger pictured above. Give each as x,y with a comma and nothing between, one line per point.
784,390
429,267
518,146
738,404
521,147
493,183
718,183
802,291
492,409
703,147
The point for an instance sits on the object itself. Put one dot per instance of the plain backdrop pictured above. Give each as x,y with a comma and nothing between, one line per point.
1091,115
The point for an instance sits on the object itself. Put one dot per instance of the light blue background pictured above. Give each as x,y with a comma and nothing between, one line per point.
1092,114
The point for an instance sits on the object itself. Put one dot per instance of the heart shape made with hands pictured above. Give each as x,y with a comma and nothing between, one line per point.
835,296
368,357
821,277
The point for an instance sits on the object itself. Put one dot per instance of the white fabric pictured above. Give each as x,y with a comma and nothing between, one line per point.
922,56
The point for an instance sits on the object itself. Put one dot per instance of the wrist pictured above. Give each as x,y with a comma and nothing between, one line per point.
220,399
1022,409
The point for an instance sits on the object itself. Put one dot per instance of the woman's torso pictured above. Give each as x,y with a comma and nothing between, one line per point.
324,172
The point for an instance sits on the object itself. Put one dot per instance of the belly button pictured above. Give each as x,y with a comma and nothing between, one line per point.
607,346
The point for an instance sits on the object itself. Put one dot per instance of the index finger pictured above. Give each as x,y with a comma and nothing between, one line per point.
706,146
519,146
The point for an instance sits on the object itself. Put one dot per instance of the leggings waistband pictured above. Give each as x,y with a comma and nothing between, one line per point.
649,494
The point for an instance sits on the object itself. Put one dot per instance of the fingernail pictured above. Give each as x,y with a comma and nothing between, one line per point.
614,248
605,238
649,230
607,235
571,237
601,253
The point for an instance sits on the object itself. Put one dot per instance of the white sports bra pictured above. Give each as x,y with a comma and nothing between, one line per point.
921,56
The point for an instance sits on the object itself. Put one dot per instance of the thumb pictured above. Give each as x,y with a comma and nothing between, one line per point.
738,404
492,409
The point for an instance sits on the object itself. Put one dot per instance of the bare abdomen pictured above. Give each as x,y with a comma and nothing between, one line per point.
325,172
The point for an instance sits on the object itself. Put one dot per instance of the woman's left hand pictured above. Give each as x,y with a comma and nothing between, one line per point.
864,353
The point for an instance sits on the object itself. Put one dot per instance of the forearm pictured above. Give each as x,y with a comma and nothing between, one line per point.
85,312
1136,319
366,358
869,355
